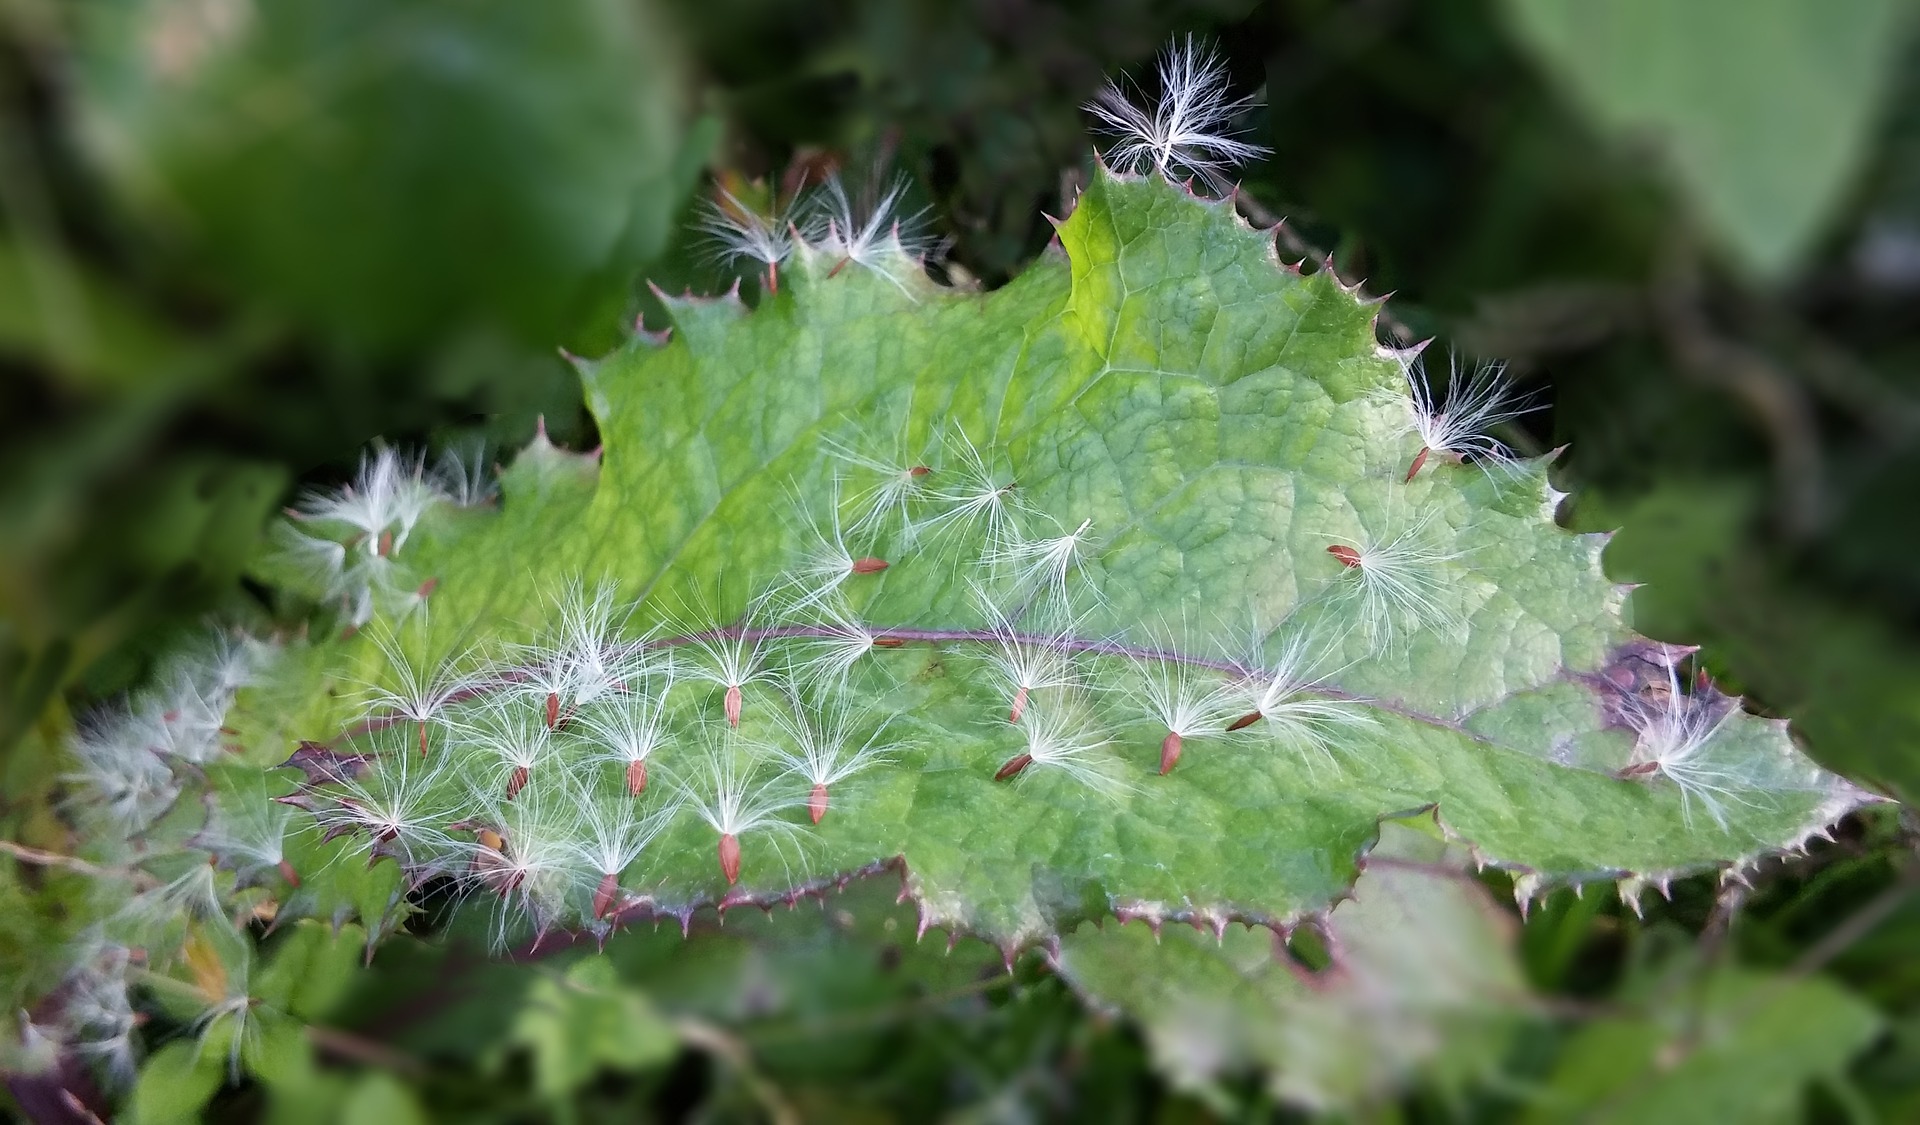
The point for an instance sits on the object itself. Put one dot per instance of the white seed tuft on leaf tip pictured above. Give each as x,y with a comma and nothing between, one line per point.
1190,131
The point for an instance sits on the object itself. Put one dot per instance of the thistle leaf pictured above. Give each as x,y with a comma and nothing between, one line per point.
1120,480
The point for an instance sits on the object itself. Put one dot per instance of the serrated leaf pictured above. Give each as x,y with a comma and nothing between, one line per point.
1212,424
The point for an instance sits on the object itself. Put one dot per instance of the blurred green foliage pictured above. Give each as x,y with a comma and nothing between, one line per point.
239,240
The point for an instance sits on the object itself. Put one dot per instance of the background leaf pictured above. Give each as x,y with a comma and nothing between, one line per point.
1762,109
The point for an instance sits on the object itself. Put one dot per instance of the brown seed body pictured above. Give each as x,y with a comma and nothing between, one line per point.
869,565
732,706
553,709
1014,765
605,893
636,778
1019,706
423,737
386,544
1245,721
730,858
1170,748
1347,555
1419,460
817,803
516,781
289,874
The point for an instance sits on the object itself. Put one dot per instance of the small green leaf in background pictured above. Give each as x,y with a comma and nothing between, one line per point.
175,1084
311,969
1426,983
393,171
379,1098
1738,1046
577,1024
1764,108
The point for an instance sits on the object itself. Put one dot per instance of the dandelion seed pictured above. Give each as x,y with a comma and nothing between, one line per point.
897,486
224,662
386,499
120,770
248,831
732,662
398,802
1044,564
97,1017
1456,427
1190,130
1028,664
1187,707
529,851
613,834
582,657
840,644
1401,584
976,501
1674,738
194,895
631,727
462,476
500,732
826,565
421,693
876,237
1286,696
1061,741
741,233
821,749
729,789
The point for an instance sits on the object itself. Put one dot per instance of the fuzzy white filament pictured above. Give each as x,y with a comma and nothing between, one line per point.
1043,565
1190,131
885,491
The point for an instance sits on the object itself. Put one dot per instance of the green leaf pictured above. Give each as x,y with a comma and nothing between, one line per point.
381,1099
175,1084
394,172
1424,982
587,1021
310,969
1739,1046
1763,108
1210,422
